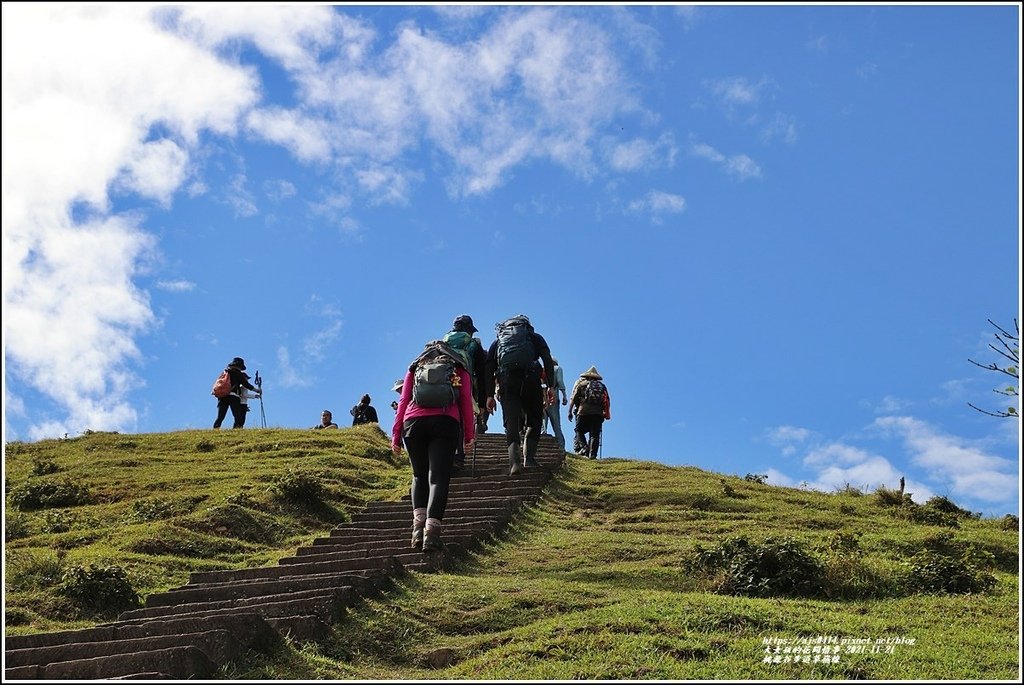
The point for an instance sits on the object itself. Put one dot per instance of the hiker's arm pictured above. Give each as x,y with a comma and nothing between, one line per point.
549,366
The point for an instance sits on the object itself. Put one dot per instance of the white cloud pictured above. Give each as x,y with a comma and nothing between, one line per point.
782,127
80,102
788,434
966,468
738,91
657,203
741,166
179,286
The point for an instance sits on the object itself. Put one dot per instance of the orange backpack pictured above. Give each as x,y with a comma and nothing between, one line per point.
222,386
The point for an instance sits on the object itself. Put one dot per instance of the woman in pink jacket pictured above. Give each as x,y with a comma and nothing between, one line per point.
434,413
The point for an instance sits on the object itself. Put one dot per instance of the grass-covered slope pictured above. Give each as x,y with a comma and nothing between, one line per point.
625,570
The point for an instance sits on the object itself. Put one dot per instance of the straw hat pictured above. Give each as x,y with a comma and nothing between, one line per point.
591,373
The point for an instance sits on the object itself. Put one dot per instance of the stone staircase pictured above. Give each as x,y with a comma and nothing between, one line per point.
219,617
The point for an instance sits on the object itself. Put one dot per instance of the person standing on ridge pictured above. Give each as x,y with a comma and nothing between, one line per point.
461,339
239,380
434,413
511,363
592,406
363,412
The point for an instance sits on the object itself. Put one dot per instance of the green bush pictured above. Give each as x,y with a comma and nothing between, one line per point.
1009,522
300,487
59,521
774,567
934,572
99,590
887,497
946,506
15,526
28,570
47,494
44,467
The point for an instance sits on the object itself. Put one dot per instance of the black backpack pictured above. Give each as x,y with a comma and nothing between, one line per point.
435,376
593,394
516,351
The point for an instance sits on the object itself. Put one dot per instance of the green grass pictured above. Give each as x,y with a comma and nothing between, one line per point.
602,579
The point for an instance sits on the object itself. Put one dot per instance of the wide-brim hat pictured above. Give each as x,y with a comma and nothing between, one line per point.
238,362
464,323
397,387
591,373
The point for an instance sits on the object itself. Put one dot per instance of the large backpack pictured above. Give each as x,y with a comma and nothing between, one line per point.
222,386
593,394
515,345
435,375
464,345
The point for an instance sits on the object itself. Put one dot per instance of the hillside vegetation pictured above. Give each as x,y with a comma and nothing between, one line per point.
624,570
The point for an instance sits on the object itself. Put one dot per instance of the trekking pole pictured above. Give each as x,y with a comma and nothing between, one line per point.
259,386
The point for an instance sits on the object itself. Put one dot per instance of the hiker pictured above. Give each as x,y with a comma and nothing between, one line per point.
239,381
592,406
363,412
461,339
511,364
326,421
397,387
435,413
551,411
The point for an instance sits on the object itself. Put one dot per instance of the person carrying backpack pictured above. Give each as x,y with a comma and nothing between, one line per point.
363,412
434,416
461,339
511,364
228,392
592,405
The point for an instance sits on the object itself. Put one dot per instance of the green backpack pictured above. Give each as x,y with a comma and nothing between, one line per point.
463,344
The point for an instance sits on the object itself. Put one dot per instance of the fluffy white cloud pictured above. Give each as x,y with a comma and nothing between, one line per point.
740,166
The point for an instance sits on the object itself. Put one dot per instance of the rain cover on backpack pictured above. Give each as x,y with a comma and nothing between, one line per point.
515,344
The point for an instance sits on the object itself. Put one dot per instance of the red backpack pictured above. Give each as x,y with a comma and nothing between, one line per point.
222,386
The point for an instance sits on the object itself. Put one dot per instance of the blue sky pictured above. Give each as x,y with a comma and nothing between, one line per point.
778,231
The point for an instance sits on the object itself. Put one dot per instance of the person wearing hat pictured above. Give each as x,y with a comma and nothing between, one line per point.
397,387
233,401
460,338
592,406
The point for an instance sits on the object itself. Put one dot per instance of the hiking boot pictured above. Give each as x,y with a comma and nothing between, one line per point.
531,463
417,538
458,465
432,542
514,460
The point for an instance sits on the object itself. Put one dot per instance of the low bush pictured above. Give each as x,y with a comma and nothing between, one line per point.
774,567
99,590
47,494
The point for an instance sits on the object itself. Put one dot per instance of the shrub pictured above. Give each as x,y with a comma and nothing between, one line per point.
299,487
15,526
776,566
99,590
44,467
60,521
1009,522
934,572
946,506
887,497
928,516
46,494
152,510
205,446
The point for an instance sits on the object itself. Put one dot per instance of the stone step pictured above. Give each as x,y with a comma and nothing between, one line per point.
178,663
264,588
284,570
219,645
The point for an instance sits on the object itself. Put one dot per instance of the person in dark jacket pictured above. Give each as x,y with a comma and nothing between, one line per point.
521,396
233,401
592,406
363,412
461,337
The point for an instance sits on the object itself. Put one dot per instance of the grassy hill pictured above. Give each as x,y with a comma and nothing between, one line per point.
625,570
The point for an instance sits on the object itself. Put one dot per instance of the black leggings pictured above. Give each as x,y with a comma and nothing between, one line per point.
431,442
238,410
